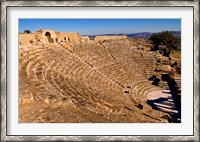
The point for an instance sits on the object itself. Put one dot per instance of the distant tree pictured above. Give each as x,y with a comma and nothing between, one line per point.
27,31
165,38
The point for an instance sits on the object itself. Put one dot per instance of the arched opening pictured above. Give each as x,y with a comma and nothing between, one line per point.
48,35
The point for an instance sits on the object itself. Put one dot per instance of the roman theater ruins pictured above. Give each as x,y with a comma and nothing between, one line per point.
68,78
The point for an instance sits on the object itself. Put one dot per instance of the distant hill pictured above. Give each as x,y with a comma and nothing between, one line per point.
145,35
148,35
140,35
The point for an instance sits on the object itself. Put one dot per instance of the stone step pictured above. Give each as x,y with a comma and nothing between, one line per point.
171,100
168,102
163,105
168,110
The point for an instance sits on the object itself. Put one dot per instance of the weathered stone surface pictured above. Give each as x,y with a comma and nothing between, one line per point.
26,39
68,37
101,38
64,78
85,39
48,36
45,36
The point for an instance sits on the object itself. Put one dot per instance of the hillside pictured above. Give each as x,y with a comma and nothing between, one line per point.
139,35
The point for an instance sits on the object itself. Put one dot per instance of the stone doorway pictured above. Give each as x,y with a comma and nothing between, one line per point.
48,37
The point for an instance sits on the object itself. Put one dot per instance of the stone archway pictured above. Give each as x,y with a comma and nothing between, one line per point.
48,37
56,40
66,39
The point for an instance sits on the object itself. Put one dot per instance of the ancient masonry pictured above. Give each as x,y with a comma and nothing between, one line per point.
100,38
50,36
68,78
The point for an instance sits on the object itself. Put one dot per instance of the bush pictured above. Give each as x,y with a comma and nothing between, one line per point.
165,38
27,31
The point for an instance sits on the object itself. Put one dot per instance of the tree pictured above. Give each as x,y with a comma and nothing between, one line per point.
165,38
27,31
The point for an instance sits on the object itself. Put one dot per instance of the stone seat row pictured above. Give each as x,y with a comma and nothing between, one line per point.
80,98
93,61
75,85
72,73
95,95
141,89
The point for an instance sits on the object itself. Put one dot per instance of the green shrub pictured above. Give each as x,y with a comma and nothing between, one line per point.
165,38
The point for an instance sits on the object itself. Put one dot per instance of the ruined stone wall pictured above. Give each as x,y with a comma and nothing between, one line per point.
85,39
48,36
26,39
100,38
40,36
68,37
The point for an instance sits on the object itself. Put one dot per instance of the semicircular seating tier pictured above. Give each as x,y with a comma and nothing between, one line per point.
101,82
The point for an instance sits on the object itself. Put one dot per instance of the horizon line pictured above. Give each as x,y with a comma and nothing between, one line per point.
109,33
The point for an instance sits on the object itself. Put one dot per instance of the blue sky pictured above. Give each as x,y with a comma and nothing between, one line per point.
101,26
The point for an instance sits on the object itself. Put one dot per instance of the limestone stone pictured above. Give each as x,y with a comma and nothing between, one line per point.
85,39
26,39
101,38
68,37
68,78
48,36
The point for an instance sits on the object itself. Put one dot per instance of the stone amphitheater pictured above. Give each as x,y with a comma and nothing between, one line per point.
67,78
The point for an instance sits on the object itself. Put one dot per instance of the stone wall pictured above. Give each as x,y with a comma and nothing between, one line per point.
85,39
68,37
100,38
44,36
26,39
